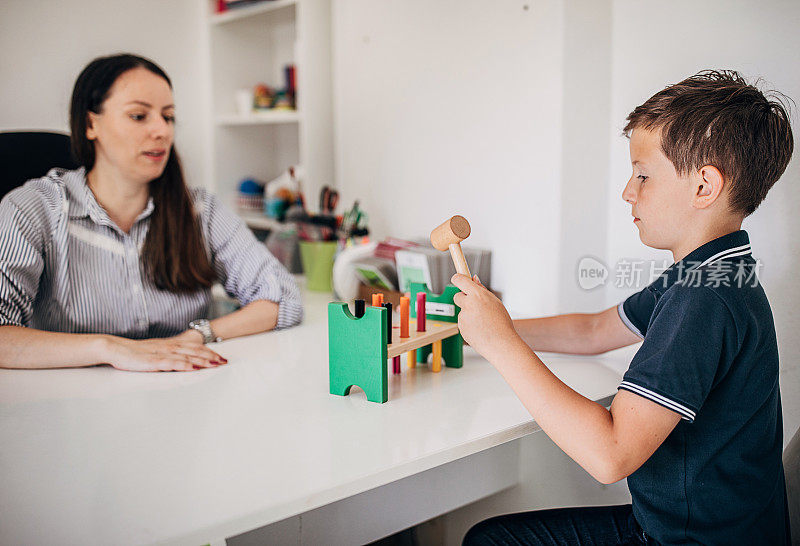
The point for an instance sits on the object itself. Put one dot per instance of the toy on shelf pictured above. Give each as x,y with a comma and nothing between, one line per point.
283,192
270,98
263,95
251,195
359,345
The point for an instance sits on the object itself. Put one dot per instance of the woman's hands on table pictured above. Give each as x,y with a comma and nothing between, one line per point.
184,352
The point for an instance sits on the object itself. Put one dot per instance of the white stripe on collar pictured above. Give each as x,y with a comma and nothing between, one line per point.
728,253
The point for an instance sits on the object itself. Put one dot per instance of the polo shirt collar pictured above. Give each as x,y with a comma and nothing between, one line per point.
82,202
732,245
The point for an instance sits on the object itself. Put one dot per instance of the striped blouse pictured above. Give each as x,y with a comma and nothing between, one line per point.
65,266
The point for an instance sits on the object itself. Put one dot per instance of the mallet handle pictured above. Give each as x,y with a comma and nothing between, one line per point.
458,260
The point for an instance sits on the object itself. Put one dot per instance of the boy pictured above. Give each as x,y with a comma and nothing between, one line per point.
696,423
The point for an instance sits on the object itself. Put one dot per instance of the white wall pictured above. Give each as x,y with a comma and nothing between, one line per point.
455,107
45,44
653,47
586,106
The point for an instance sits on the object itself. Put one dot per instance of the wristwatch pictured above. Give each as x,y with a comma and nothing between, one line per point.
204,327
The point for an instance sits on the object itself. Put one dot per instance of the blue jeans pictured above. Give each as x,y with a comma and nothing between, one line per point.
597,525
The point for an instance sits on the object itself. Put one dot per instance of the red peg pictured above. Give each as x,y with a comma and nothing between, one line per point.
421,311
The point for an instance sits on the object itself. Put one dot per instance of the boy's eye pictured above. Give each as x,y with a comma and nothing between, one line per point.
642,178
169,119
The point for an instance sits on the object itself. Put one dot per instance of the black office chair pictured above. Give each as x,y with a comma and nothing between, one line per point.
27,154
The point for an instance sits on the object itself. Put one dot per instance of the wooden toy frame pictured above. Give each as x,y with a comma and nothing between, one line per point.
358,348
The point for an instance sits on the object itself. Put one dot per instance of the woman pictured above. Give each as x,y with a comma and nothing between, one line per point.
102,264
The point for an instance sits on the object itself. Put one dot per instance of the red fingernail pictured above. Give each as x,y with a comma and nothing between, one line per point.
224,360
214,362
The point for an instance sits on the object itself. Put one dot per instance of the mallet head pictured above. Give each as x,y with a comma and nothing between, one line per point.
448,236
452,231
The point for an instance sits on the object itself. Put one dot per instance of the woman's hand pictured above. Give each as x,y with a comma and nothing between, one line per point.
483,321
179,353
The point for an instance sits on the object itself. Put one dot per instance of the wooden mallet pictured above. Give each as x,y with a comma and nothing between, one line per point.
449,236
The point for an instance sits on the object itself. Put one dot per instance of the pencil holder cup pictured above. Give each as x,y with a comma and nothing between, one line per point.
317,258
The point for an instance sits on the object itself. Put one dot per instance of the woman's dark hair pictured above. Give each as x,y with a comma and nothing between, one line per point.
174,252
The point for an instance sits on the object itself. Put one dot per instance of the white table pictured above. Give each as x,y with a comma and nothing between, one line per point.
101,456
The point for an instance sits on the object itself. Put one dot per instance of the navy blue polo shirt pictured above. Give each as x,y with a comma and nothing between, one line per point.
710,354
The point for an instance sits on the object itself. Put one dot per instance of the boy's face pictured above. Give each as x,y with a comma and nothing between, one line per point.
660,199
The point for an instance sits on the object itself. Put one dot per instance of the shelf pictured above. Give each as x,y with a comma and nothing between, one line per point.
236,14
256,220
254,43
260,118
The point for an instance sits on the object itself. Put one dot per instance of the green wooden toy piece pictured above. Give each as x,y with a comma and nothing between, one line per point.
357,351
453,346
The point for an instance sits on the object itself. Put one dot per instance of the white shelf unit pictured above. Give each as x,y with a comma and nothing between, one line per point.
253,44
249,11
257,220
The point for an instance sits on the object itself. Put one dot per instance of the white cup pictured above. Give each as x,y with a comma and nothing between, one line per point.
244,102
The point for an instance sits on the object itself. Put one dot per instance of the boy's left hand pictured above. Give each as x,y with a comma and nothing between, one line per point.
483,321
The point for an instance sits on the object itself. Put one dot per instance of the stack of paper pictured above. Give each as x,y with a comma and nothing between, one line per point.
435,268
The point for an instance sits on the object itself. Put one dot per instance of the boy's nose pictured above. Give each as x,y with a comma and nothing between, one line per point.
629,193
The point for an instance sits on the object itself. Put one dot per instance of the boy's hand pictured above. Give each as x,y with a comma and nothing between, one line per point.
483,321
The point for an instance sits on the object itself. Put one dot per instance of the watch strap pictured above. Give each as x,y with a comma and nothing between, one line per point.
204,327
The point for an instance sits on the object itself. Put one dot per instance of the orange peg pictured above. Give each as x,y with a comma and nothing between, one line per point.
436,362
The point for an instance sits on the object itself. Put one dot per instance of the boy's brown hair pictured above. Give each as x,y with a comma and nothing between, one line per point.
716,118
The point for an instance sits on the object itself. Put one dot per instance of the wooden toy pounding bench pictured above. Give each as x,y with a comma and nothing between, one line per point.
359,345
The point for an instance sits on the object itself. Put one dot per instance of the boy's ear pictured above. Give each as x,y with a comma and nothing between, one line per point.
707,186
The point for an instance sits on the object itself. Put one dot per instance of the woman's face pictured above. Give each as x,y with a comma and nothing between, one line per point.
134,130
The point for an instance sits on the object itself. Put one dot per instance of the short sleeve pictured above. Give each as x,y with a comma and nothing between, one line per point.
22,244
244,266
636,311
683,350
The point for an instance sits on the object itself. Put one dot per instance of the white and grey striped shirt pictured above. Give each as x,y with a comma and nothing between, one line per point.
65,266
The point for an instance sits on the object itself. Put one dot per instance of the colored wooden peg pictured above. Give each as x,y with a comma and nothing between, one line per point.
411,359
404,317
388,307
396,359
377,300
436,363
360,308
420,311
